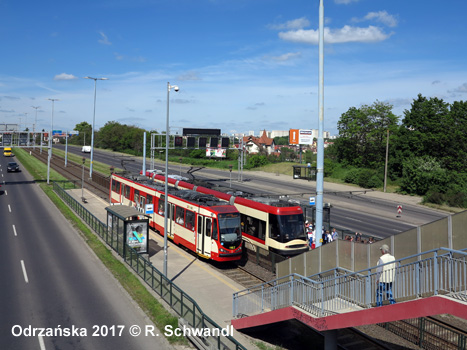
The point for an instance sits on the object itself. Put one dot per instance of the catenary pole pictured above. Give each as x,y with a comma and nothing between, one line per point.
320,150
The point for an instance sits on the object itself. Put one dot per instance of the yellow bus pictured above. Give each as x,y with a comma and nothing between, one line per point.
7,152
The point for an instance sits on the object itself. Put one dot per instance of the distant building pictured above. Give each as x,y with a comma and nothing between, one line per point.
254,144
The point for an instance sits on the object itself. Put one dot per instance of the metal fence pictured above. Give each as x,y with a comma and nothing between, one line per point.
428,334
181,303
440,271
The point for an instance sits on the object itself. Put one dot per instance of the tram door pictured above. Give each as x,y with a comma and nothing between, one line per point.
204,235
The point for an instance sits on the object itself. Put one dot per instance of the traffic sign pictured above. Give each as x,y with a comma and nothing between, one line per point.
312,201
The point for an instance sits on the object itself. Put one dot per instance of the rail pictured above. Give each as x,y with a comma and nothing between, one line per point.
181,303
439,271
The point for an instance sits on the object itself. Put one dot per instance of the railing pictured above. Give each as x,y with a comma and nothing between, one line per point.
428,334
180,302
432,273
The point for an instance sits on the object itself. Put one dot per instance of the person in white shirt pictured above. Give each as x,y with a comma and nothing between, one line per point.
385,276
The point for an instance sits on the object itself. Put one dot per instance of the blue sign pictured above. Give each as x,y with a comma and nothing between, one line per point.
312,201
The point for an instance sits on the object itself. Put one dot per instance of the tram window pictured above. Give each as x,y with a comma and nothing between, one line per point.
149,198
127,191
117,188
253,226
114,186
275,231
214,229
208,227
190,220
180,215
200,224
136,197
160,207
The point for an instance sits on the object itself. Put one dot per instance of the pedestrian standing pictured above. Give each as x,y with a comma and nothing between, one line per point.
385,273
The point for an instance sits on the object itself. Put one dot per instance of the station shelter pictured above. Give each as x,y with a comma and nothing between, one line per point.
127,226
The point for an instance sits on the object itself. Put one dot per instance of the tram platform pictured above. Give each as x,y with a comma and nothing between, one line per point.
208,287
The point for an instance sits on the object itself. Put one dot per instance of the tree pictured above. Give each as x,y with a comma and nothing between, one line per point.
433,128
362,134
84,135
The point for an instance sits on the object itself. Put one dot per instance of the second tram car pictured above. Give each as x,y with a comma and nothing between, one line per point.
202,223
269,223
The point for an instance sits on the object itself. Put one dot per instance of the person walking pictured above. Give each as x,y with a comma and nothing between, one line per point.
385,273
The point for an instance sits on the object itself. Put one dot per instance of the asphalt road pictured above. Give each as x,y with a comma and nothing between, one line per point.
352,210
50,279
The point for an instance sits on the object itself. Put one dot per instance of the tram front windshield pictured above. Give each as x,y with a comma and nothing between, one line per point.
285,228
230,229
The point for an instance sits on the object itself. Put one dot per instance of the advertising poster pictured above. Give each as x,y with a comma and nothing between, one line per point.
137,236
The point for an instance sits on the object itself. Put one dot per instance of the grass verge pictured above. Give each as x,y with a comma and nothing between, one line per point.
155,310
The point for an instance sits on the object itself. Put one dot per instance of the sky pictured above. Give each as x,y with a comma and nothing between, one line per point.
240,65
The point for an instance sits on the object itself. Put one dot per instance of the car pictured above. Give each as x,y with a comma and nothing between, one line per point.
12,166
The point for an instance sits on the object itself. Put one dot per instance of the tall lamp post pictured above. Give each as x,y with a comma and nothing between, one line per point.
50,138
93,121
34,126
166,188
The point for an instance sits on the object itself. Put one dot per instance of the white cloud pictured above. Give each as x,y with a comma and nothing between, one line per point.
461,89
345,2
65,76
104,40
380,16
286,57
336,36
294,24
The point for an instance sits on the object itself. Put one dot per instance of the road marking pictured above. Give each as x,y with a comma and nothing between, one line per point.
6,193
9,208
41,343
14,230
24,271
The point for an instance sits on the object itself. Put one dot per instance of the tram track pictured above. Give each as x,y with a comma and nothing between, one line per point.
74,172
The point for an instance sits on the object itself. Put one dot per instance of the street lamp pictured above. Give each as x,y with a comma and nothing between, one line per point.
166,188
50,138
93,120
34,126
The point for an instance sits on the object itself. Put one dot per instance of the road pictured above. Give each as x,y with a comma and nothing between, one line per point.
353,209
51,279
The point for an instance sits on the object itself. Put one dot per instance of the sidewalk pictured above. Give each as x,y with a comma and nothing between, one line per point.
209,288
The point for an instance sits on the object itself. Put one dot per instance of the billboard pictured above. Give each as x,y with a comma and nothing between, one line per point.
300,137
216,152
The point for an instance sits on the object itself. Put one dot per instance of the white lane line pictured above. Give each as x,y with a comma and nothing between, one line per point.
14,230
41,343
6,193
9,208
24,271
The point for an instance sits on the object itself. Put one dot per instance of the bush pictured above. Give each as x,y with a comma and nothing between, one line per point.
375,182
352,176
434,197
364,178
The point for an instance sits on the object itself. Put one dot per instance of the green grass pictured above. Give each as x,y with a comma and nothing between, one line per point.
97,166
155,311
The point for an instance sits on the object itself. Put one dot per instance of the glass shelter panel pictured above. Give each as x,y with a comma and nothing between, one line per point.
405,244
459,236
434,235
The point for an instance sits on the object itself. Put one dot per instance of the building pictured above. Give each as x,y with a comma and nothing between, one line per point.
254,144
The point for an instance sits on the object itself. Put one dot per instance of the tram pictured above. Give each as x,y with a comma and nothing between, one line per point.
272,224
200,222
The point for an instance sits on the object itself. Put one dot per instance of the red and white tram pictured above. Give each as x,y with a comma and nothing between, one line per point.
269,223
202,223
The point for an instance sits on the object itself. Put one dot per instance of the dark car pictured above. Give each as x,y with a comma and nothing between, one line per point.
12,166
